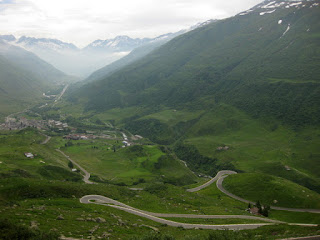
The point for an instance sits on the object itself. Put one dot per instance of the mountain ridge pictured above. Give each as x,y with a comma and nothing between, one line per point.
84,61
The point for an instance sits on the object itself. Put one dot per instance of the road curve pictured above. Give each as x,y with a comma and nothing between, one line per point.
86,174
219,175
47,138
223,174
222,189
98,199
101,200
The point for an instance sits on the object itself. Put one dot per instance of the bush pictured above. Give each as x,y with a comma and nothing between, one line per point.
12,231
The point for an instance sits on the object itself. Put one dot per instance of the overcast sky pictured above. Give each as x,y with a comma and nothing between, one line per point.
82,22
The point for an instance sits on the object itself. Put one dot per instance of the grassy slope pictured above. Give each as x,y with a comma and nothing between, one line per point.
267,189
47,164
255,145
126,164
18,88
234,60
24,198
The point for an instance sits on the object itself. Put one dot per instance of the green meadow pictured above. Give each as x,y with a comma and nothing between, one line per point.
271,190
37,192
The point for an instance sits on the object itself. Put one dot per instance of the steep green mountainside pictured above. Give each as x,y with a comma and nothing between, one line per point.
135,55
23,78
32,63
250,82
18,87
250,61
17,82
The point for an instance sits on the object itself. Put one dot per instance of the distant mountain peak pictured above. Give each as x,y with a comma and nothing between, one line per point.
45,43
202,24
8,38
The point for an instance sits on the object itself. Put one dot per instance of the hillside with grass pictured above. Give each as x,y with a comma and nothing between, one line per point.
18,88
30,62
24,77
228,60
39,197
141,141
271,190
130,166
241,93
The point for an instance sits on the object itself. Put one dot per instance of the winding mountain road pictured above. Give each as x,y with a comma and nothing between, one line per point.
157,217
46,140
219,175
223,174
222,189
86,174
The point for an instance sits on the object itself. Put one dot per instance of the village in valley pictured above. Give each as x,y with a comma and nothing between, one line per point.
18,123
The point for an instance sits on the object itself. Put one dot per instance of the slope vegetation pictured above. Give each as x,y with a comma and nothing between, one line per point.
272,190
246,55
241,94
18,88
23,78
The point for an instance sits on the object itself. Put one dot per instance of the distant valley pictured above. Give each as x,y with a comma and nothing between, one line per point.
81,62
208,133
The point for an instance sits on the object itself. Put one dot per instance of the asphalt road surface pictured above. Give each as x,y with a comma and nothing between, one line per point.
101,200
219,175
86,174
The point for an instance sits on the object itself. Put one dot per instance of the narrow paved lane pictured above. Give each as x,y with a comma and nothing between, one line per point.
157,217
101,200
98,199
223,174
61,94
47,138
219,174
86,174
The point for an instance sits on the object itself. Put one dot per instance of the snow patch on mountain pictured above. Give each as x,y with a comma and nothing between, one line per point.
270,6
263,13
245,12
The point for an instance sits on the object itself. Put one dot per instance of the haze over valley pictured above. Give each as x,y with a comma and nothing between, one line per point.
208,128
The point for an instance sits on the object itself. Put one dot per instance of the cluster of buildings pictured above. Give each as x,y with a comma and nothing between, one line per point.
57,124
79,137
49,96
21,123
